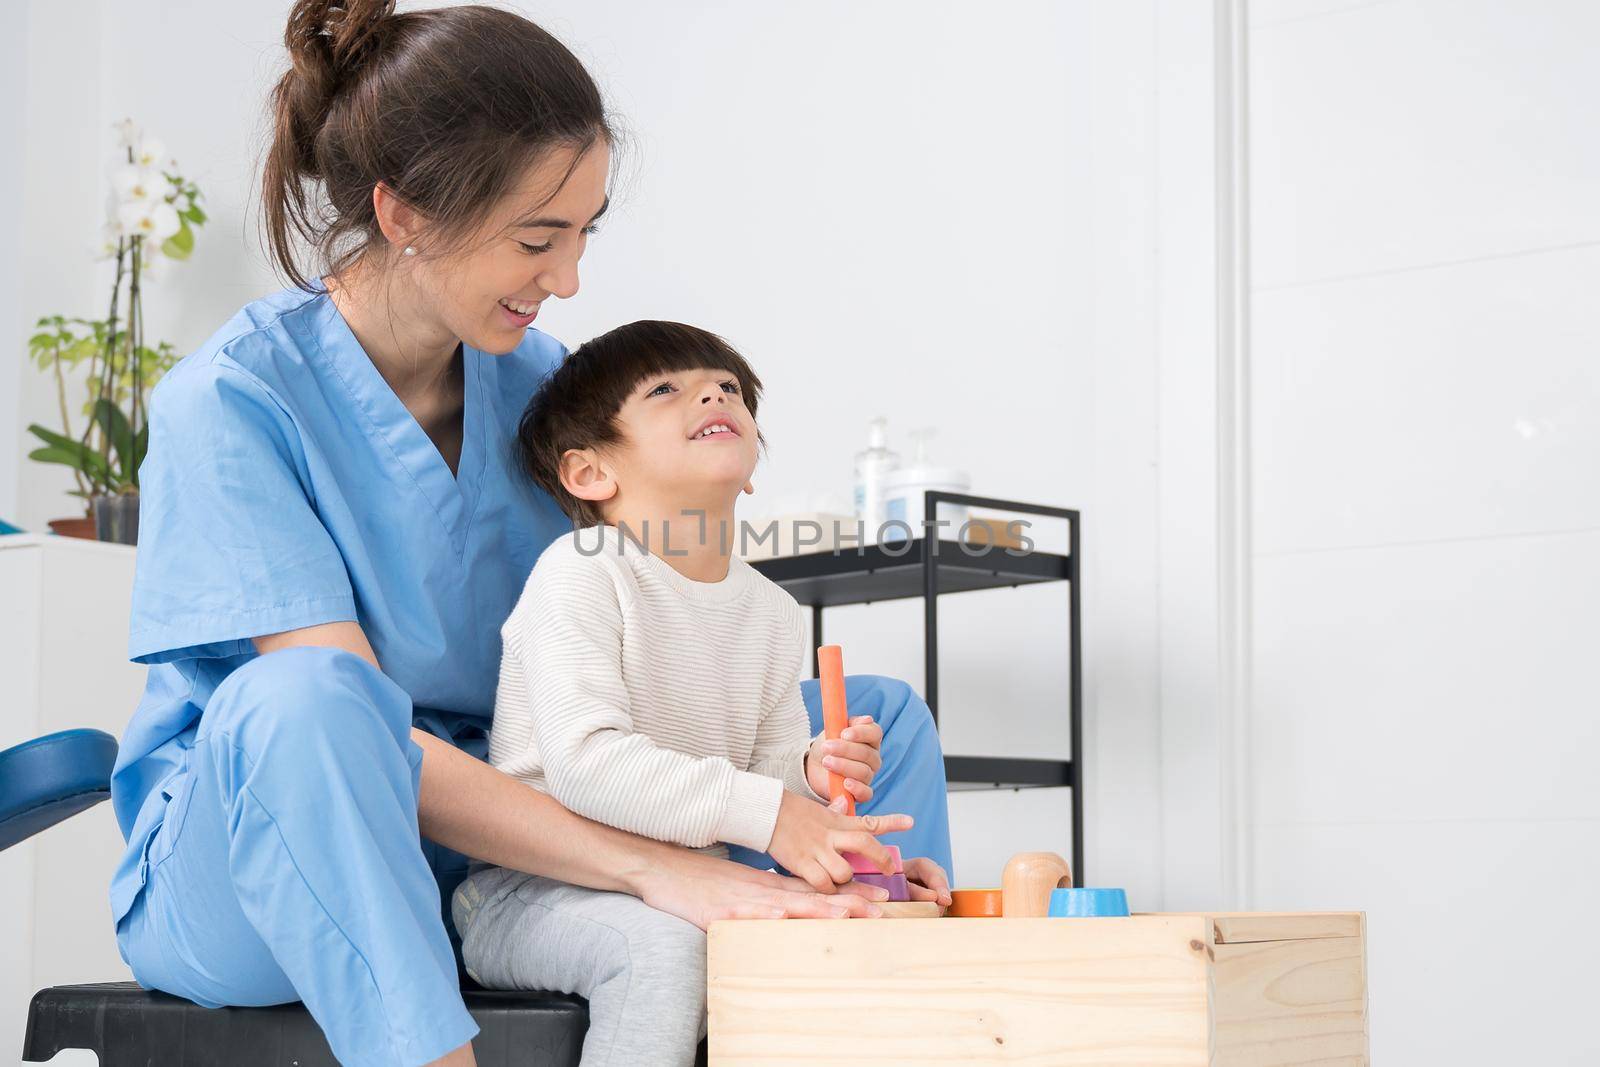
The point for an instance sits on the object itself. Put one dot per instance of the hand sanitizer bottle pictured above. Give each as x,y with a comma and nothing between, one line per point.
873,464
905,496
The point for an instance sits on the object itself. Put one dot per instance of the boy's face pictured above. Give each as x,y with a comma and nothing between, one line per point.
688,441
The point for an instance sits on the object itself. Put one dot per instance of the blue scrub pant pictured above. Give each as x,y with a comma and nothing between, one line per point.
290,865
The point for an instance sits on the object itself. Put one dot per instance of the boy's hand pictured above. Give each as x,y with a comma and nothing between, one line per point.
927,881
856,755
809,838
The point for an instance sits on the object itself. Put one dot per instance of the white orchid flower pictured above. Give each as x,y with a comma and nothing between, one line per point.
150,153
127,133
138,184
155,219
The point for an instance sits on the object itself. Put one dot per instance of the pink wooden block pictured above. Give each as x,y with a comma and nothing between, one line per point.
861,865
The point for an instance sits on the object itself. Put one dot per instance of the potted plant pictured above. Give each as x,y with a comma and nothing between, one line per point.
154,213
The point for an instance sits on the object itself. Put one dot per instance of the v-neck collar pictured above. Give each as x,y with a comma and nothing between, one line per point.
454,497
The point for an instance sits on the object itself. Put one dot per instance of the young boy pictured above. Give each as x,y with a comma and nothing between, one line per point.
650,681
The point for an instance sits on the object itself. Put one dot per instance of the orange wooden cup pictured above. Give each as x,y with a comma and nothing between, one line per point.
975,904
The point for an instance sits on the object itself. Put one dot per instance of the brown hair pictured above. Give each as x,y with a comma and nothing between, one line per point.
577,405
447,107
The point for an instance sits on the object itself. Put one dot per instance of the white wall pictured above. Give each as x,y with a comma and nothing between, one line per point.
13,86
1427,455
902,208
65,139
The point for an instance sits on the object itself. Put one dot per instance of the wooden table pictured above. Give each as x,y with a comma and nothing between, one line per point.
1215,989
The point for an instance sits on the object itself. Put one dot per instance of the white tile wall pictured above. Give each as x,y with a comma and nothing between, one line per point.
1412,132
1459,401
1426,245
1263,13
1452,680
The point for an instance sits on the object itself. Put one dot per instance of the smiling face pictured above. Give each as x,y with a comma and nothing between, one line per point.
688,442
488,293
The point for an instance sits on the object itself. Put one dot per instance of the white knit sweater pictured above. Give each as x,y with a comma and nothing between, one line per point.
651,702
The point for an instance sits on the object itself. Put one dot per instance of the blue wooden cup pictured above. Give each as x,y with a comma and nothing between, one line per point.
1087,903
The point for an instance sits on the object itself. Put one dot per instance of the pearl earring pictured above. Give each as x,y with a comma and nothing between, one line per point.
410,251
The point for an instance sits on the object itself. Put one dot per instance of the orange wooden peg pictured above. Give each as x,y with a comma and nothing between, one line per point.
835,713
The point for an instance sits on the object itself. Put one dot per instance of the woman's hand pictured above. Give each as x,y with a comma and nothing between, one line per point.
702,889
927,881
857,755
810,840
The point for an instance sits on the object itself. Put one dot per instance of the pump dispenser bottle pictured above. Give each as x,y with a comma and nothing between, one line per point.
873,465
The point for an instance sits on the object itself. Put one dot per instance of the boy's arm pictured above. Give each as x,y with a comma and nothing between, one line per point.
779,753
566,635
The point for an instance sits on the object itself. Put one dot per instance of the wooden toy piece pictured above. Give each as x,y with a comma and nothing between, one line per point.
1088,903
911,909
835,713
1026,883
975,904
861,865
896,884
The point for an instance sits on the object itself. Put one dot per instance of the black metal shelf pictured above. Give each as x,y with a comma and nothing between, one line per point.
895,571
928,568
966,773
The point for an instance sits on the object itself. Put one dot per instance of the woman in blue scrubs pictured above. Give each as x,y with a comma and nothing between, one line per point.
333,529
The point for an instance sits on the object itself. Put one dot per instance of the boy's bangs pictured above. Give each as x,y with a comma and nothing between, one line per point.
629,355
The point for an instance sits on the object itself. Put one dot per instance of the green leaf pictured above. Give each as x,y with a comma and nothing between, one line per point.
81,456
74,454
115,424
56,455
87,462
56,440
194,215
80,350
180,244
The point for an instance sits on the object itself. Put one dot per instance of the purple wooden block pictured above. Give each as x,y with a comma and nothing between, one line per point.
894,883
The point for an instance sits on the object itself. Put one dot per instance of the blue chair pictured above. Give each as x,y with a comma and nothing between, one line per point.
52,778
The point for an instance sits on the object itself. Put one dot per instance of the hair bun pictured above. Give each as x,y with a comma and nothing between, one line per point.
333,38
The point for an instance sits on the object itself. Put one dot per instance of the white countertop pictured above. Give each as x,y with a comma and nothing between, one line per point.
55,542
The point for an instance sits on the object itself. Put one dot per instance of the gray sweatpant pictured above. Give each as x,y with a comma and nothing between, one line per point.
642,970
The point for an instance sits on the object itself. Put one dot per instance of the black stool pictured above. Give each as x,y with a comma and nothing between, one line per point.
127,1026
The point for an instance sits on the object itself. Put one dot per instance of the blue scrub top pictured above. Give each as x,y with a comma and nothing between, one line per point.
285,486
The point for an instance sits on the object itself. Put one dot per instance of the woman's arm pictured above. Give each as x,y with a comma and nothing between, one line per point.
468,806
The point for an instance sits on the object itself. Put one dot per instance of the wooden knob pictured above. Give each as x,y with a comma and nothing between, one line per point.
1027,882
